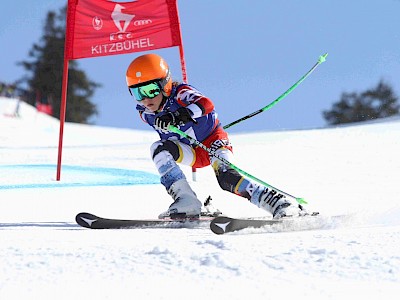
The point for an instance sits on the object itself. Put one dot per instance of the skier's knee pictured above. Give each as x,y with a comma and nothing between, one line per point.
168,146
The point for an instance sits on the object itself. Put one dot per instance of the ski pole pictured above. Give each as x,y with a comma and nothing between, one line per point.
223,160
321,59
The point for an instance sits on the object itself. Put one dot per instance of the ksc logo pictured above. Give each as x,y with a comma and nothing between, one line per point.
121,20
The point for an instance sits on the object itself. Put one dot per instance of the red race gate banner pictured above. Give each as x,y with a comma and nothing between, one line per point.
102,28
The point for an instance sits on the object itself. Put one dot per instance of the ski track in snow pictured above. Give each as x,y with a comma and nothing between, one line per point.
44,255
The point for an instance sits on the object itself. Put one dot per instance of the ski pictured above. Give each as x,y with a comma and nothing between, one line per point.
91,221
222,225
208,213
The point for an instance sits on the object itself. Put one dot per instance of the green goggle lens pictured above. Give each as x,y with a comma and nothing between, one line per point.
150,91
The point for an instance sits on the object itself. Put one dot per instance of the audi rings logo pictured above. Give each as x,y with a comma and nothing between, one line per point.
142,22
97,23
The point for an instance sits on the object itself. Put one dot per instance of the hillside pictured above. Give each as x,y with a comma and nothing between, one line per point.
107,171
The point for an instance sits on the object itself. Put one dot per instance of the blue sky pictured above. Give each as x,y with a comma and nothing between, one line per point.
243,55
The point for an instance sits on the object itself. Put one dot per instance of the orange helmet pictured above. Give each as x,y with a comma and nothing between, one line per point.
149,68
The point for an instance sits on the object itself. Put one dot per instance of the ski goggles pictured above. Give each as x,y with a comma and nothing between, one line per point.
150,90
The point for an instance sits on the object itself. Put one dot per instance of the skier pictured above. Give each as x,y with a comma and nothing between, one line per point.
162,102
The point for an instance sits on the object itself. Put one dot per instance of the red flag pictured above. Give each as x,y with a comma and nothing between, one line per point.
101,27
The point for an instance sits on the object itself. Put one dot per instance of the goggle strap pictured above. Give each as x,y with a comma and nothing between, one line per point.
157,81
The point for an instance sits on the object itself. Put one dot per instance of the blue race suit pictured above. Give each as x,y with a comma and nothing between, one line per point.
202,108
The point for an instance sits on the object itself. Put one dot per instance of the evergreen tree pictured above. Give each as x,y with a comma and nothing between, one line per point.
380,102
46,70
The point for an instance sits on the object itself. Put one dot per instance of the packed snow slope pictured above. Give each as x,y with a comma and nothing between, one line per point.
350,170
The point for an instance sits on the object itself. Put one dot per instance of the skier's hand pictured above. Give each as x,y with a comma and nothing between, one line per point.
176,118
162,123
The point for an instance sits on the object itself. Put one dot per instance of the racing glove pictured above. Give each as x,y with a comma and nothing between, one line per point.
177,118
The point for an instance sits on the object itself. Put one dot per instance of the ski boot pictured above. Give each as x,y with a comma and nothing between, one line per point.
186,204
276,203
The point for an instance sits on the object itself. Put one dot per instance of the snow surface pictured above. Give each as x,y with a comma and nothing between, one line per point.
44,255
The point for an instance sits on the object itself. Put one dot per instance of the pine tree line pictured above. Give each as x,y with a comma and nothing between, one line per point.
46,69
375,103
